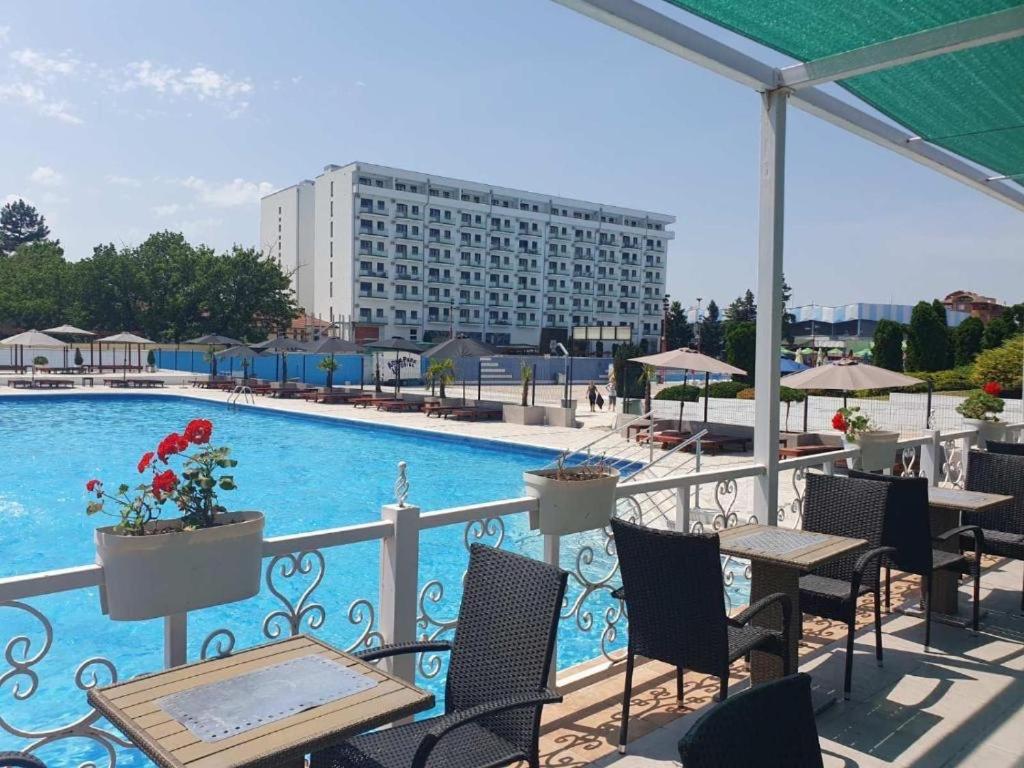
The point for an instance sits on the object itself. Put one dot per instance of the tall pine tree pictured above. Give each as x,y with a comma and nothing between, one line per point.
20,224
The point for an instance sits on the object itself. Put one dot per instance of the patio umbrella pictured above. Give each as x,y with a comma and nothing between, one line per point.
242,352
332,346
282,345
32,338
453,349
127,339
846,375
215,340
791,366
398,345
688,359
70,330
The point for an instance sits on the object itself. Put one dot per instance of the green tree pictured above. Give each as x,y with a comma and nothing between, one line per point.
1002,364
328,365
441,372
888,345
21,224
1015,314
788,318
967,341
742,310
33,286
927,340
940,312
679,330
997,331
740,346
711,331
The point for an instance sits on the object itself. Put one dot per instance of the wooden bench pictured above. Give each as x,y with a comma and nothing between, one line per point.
399,406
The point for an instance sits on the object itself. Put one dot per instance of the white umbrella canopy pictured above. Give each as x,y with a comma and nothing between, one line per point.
125,338
69,330
688,359
32,338
847,375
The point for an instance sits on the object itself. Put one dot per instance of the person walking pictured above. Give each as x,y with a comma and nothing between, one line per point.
611,390
592,395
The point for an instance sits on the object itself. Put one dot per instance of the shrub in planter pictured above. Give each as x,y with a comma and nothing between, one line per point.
328,365
207,556
979,410
441,372
877,447
726,389
572,499
788,395
79,360
685,392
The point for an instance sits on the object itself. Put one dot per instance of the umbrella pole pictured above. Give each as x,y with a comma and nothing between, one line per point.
845,393
680,414
707,378
398,375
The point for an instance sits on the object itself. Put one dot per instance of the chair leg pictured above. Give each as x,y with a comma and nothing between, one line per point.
630,659
848,678
977,600
679,683
723,686
888,596
878,623
927,595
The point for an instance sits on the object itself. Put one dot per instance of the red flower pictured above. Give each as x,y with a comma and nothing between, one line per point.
173,443
145,461
199,431
839,422
164,483
992,388
92,485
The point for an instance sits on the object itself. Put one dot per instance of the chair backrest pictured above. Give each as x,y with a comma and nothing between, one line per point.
1014,449
846,506
675,598
504,638
769,726
997,473
907,521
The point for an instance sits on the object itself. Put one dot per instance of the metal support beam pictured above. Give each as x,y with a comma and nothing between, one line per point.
769,315
682,41
959,36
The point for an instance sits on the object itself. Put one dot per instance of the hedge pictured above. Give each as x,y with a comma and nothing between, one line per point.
726,389
684,392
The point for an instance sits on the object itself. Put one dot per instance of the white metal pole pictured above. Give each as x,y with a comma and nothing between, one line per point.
769,293
399,582
175,640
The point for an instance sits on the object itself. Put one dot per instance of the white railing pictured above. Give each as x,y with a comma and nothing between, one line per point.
405,608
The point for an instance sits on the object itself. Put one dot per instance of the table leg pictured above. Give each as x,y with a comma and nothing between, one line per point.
945,584
768,578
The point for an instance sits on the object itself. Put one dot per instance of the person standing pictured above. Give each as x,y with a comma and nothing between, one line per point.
592,395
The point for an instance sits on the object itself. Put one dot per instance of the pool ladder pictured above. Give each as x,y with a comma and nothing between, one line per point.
242,393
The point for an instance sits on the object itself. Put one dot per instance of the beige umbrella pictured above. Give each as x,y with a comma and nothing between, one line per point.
847,375
127,339
71,330
687,359
32,338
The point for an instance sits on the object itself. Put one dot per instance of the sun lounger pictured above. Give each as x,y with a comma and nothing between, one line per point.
436,409
19,383
53,384
146,383
666,438
370,401
474,414
398,406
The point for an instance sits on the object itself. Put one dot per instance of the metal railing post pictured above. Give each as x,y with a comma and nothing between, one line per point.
931,461
479,379
399,577
175,640
534,398
683,509
965,452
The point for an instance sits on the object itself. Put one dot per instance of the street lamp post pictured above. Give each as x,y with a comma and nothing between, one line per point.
664,323
698,321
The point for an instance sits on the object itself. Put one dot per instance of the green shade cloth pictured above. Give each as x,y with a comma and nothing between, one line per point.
970,102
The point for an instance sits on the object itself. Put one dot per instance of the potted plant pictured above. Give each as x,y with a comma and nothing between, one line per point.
79,360
524,413
207,556
979,410
38,362
151,361
441,372
572,498
328,365
877,447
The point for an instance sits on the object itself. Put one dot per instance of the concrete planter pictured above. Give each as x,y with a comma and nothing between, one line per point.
570,506
559,417
877,450
145,577
523,414
987,430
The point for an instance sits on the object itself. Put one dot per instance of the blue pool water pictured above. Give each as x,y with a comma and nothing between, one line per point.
303,473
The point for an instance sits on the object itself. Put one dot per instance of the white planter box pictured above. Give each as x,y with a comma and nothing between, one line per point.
877,450
570,506
987,430
523,414
145,577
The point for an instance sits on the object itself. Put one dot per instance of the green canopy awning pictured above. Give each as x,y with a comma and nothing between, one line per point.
970,102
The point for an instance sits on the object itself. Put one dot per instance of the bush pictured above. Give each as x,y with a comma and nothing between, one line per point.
684,392
952,380
726,389
981,405
790,395
746,394
1002,364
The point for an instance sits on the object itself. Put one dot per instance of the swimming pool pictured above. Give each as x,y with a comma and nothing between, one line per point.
304,473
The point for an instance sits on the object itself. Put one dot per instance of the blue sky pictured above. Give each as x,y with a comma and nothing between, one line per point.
122,118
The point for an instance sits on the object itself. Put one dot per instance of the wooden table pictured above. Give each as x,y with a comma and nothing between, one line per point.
945,505
778,569
132,707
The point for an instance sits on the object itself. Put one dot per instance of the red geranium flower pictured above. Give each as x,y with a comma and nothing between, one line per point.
145,461
839,422
993,388
199,431
92,485
173,443
164,483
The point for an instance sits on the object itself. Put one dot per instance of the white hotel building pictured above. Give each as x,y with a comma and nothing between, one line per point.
419,256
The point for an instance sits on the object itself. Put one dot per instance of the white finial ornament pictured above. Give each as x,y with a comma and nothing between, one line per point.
401,485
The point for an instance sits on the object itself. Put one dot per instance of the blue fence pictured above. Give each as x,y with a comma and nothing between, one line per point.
302,367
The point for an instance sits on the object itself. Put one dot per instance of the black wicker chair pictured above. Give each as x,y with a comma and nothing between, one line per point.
769,726
1003,528
1013,449
845,506
20,760
908,530
675,600
498,669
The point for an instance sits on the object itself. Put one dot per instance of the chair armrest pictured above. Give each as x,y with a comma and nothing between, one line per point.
744,617
979,534
399,649
864,560
20,760
450,722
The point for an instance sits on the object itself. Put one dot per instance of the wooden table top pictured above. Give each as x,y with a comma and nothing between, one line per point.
969,501
819,547
132,707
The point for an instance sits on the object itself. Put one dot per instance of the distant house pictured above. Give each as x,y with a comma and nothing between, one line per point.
308,328
983,307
